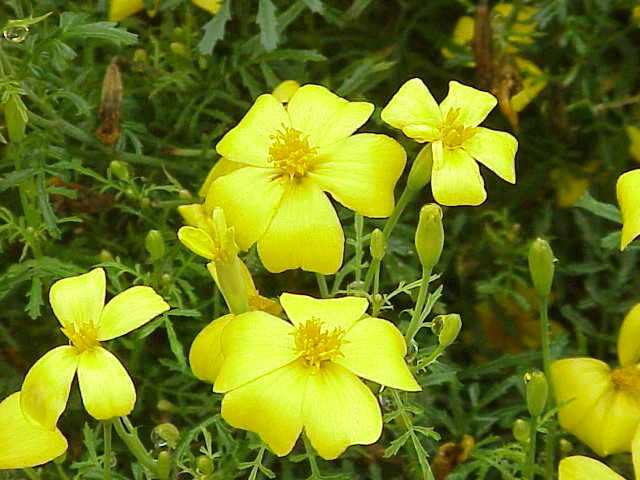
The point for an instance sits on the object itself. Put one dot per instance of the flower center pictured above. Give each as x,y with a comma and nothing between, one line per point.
627,379
290,152
453,132
83,337
316,345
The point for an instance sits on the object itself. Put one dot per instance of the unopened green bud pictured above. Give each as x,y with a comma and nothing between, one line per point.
178,48
15,117
537,391
541,266
521,430
204,465
356,288
154,243
120,170
165,405
565,447
230,279
105,256
420,173
377,244
165,435
447,328
140,56
163,464
429,238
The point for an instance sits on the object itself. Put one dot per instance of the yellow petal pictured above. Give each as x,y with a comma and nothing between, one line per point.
249,141
339,410
635,452
304,233
324,116
129,310
211,6
119,9
106,387
422,133
332,312
473,105
532,84
254,344
628,338
198,241
205,356
270,406
412,104
78,300
633,133
495,150
45,389
361,172
193,214
628,192
249,198
463,31
375,349
578,467
285,90
23,444
221,168
455,178
581,380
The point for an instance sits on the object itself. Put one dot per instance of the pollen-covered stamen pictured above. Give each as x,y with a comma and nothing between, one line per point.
316,345
83,337
627,379
290,152
453,132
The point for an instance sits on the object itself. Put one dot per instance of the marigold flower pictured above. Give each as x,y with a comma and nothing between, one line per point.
457,141
22,443
120,9
304,374
628,193
78,303
290,156
601,404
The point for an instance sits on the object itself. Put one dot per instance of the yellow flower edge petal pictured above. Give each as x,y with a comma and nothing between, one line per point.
304,233
628,345
374,349
121,9
455,178
473,105
211,6
198,241
361,172
412,104
270,406
339,411
205,355
23,444
332,312
254,344
46,387
221,168
495,150
628,193
578,467
285,90
533,82
79,299
106,387
129,310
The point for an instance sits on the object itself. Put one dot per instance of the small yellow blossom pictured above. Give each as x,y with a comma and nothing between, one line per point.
599,405
285,90
22,443
291,155
628,193
457,140
633,133
78,303
119,9
570,183
303,375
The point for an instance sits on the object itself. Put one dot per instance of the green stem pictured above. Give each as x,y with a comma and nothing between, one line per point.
133,443
31,473
359,228
322,285
61,472
403,201
106,458
546,364
257,463
415,323
311,456
431,358
531,454
374,269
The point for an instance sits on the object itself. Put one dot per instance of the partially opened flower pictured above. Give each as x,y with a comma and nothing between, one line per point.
289,157
457,140
600,405
119,9
106,388
281,378
22,443
628,192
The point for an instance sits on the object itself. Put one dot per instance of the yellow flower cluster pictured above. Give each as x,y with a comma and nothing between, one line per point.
120,9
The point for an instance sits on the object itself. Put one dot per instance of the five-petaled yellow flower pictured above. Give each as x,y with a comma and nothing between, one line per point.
280,378
106,388
119,9
601,405
628,192
285,158
456,140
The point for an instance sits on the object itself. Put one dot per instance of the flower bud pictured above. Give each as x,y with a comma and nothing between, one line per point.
105,256
447,327
120,170
541,266
537,391
165,435
521,430
356,288
15,117
429,238
154,243
165,405
179,49
140,56
204,465
285,90
420,173
377,244
565,447
163,464
229,278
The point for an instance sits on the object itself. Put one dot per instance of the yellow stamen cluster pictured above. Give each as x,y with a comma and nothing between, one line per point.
315,345
453,133
627,379
290,152
83,337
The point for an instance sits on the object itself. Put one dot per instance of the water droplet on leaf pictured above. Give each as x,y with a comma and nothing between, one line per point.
16,34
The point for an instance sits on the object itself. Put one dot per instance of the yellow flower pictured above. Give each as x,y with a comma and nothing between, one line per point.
22,443
304,374
78,303
119,9
452,127
290,156
602,408
633,133
628,193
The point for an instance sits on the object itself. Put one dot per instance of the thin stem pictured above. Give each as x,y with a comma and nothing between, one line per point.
546,364
431,358
374,268
358,227
106,458
322,285
403,201
61,472
257,463
531,454
31,473
415,323
311,456
133,443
